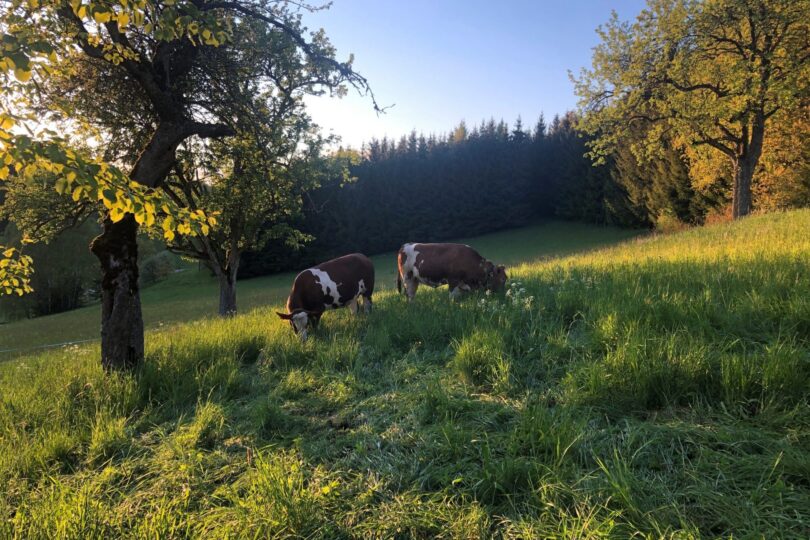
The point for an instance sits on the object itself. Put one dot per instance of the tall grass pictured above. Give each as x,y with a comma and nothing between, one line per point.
655,389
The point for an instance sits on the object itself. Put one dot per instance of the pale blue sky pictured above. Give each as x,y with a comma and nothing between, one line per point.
442,61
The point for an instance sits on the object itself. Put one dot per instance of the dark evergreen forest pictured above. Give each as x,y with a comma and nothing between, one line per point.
477,180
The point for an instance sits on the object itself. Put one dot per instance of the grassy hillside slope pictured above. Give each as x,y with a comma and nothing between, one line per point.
193,294
659,388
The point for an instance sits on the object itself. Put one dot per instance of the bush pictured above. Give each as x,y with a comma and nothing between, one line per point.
158,267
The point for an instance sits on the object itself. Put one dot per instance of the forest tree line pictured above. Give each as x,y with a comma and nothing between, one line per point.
494,176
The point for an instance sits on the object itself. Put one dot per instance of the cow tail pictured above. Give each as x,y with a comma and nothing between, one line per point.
399,270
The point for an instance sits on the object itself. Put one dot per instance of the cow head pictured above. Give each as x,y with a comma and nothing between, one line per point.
496,277
299,320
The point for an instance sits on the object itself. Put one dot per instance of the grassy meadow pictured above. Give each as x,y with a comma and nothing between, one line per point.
193,294
658,388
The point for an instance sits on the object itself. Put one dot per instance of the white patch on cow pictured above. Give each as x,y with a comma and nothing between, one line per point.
361,287
410,260
328,286
300,321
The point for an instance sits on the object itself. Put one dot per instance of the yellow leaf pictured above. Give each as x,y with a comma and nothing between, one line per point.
139,217
7,122
22,75
116,214
123,20
102,17
9,252
77,193
168,235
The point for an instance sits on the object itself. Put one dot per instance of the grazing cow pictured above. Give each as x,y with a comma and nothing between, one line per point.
330,285
456,265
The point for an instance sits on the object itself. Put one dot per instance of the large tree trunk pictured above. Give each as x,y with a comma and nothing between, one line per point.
741,197
117,250
121,317
744,166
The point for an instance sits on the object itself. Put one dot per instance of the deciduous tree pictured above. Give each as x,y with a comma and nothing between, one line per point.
707,73
154,51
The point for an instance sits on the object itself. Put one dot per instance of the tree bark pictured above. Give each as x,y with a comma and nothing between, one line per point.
227,294
227,281
121,318
741,197
117,250
744,166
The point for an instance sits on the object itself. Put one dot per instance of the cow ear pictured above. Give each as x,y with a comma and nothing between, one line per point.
284,316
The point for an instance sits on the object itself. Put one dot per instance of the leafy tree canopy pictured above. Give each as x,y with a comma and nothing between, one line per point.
711,73
126,76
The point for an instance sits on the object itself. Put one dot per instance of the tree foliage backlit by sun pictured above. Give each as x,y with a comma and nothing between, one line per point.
31,53
714,76
98,95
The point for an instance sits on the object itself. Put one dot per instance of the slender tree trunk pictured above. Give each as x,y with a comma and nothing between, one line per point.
227,294
227,279
121,317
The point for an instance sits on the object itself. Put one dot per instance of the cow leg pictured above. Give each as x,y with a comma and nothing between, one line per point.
457,289
367,304
411,284
352,306
455,293
313,321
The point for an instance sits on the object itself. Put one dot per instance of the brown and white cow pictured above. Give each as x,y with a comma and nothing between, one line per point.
330,285
457,265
